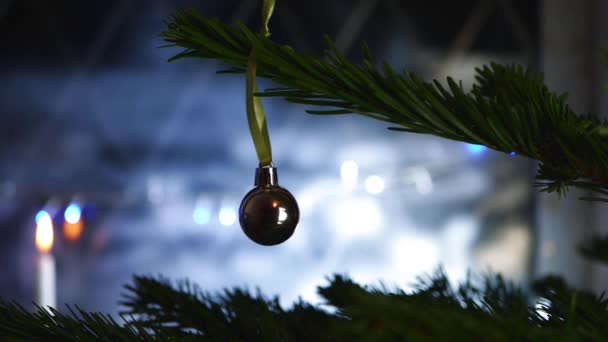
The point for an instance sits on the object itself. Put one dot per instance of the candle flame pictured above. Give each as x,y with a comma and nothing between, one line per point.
44,234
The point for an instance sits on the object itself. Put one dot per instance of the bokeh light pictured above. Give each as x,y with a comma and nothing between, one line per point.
355,217
41,214
73,231
349,173
374,184
44,233
476,149
227,216
201,215
72,213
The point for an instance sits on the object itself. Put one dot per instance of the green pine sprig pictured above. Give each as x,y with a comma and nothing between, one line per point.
596,249
509,108
19,324
487,308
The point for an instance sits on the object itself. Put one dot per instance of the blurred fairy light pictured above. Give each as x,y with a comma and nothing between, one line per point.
420,178
201,215
72,231
44,231
72,213
413,255
202,211
349,173
355,217
374,184
227,216
476,149
41,214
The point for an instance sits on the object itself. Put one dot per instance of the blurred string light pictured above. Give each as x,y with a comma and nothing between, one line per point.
413,254
374,184
476,149
73,225
201,215
202,210
72,213
355,217
44,231
227,216
42,214
349,173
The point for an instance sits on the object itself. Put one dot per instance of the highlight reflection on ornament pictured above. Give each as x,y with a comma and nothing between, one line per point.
269,213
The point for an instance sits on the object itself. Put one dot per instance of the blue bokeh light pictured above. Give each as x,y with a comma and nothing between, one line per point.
41,214
476,149
72,213
513,153
201,215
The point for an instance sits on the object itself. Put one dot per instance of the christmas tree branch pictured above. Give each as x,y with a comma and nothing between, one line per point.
509,108
596,249
18,324
485,308
488,308
155,303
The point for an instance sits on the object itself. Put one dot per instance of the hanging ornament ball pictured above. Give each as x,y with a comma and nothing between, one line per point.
268,213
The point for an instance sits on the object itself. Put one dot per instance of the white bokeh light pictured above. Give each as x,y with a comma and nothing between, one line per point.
72,213
349,173
202,210
355,217
201,215
413,255
42,214
227,216
374,184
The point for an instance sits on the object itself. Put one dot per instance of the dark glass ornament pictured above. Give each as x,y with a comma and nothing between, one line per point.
269,213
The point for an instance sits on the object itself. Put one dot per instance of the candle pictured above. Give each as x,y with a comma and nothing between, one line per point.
45,270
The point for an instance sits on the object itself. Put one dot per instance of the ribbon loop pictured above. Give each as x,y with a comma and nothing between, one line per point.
255,110
256,116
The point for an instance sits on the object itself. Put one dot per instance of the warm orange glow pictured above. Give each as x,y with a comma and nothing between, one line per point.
274,204
72,231
44,234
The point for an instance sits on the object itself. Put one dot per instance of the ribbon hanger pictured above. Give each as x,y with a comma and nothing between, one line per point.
255,110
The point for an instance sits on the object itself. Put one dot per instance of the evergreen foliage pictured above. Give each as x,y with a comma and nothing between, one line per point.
596,249
509,108
486,309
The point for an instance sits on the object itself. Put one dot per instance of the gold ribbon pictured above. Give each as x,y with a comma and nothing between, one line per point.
255,110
